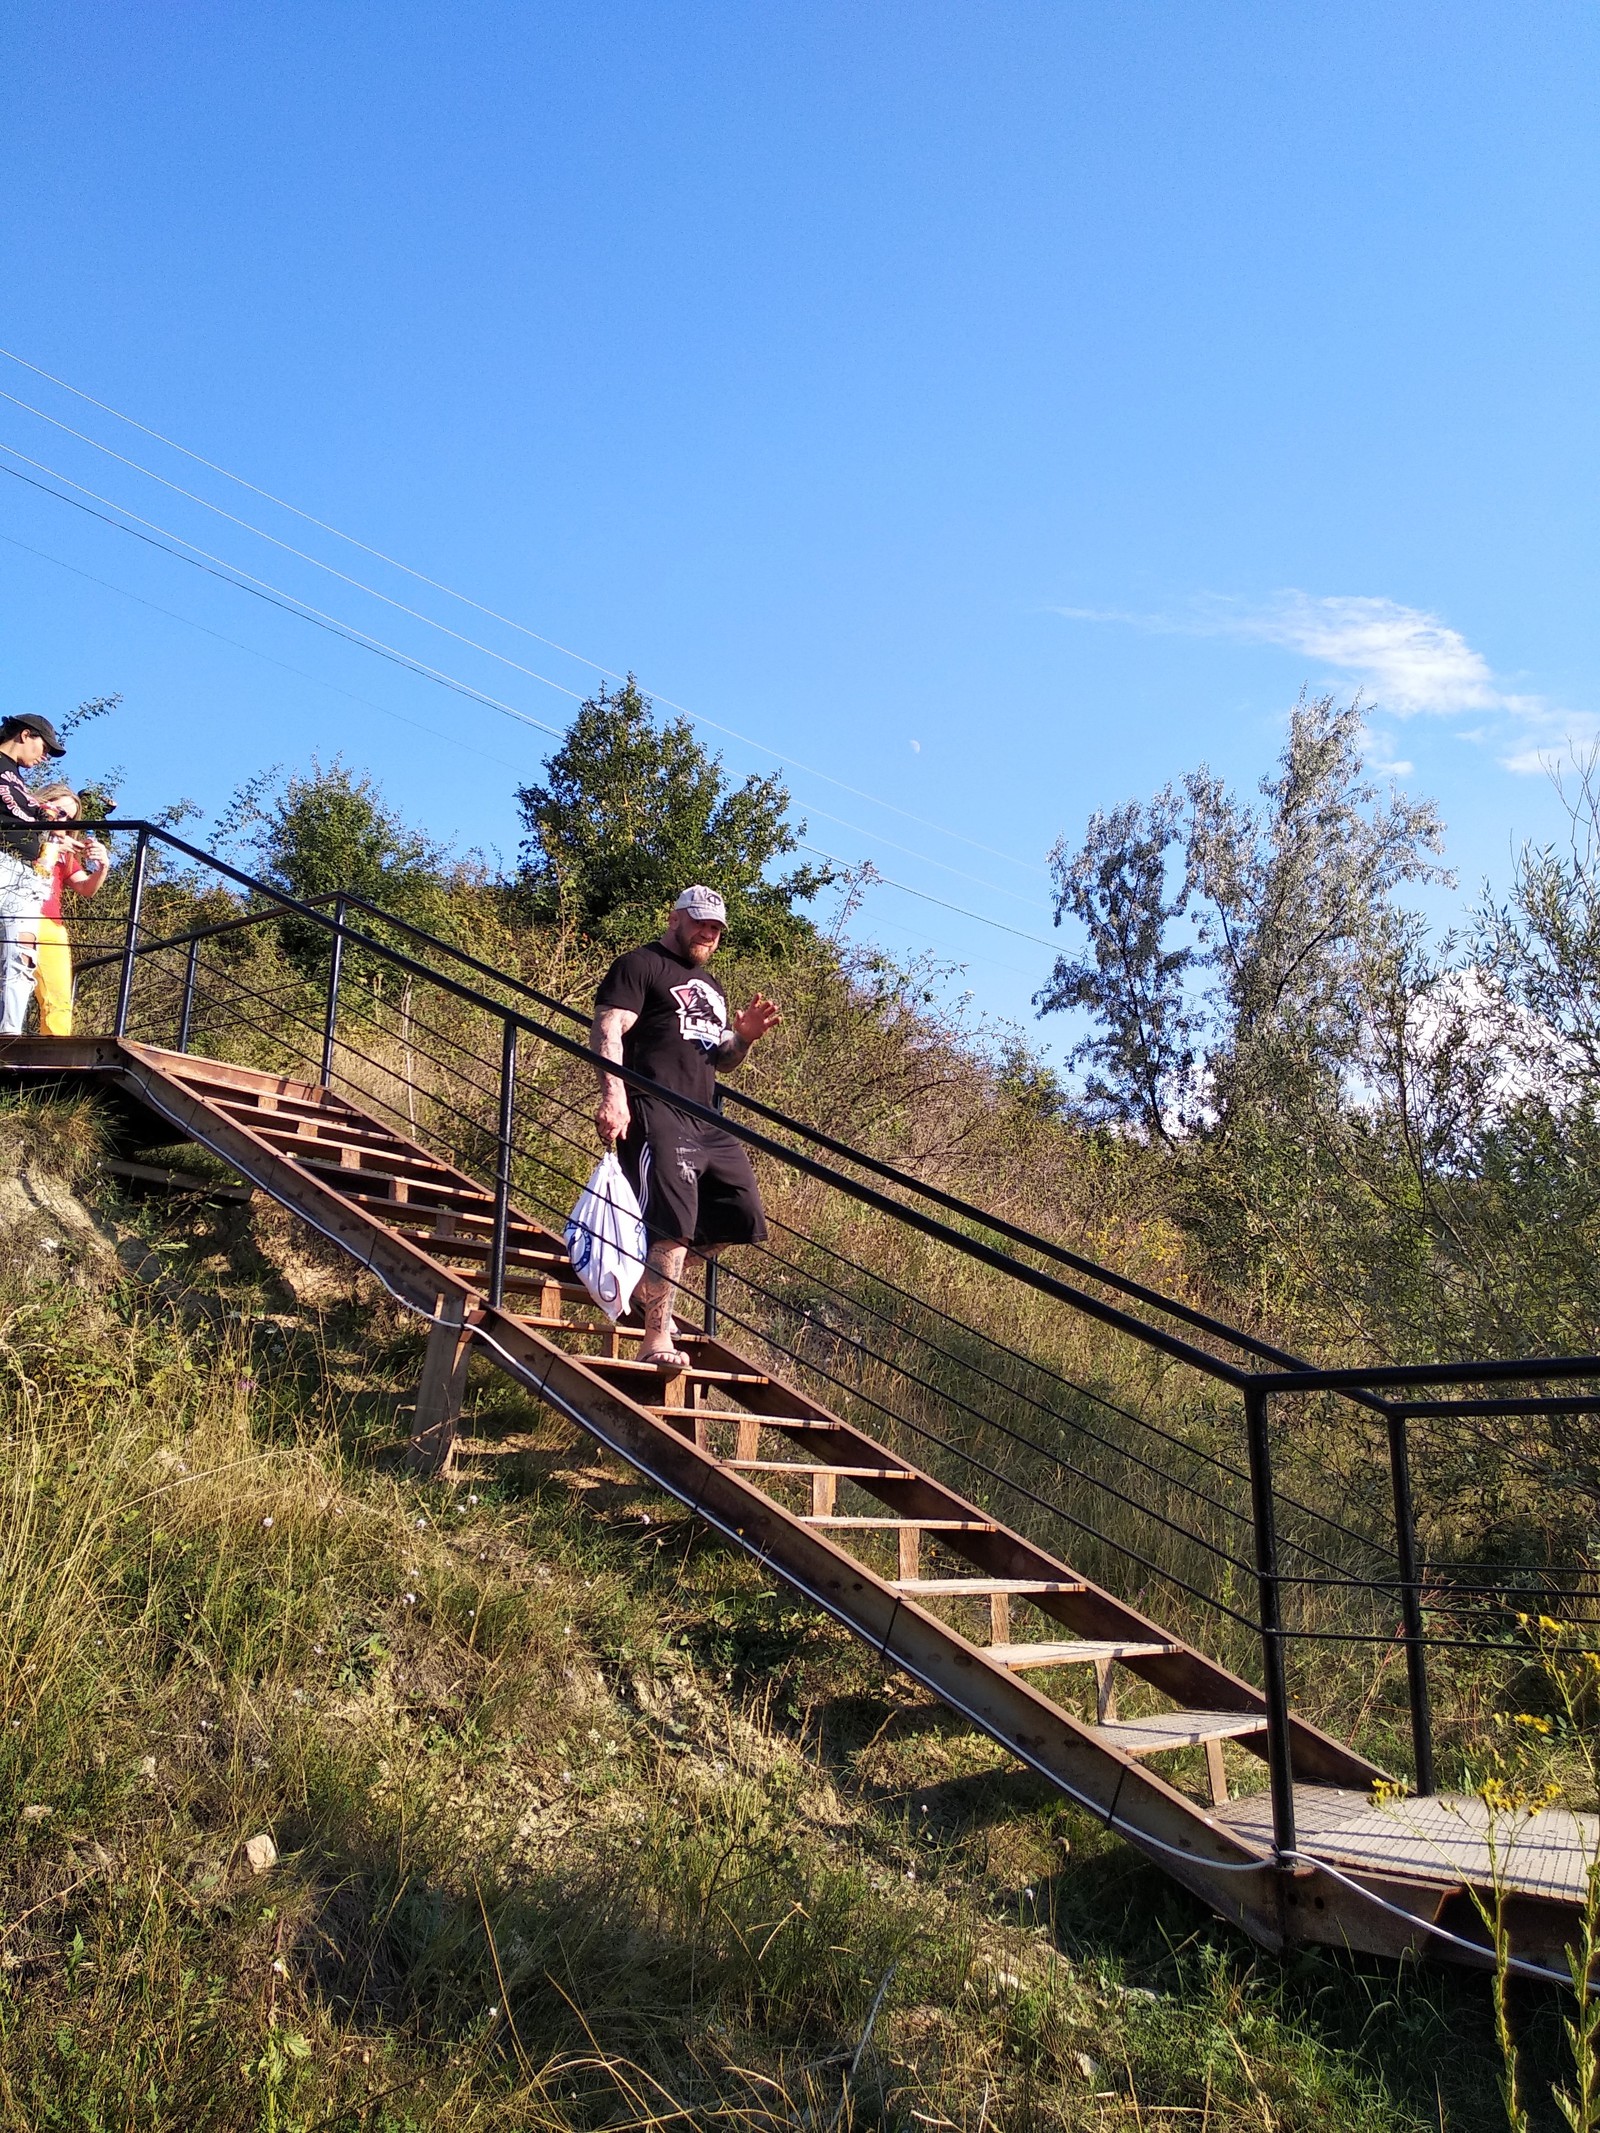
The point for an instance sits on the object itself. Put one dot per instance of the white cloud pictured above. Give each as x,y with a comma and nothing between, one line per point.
1552,740
1386,764
1403,660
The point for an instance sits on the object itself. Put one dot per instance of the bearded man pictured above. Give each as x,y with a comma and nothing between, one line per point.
658,1013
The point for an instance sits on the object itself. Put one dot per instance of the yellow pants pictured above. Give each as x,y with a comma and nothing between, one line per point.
52,981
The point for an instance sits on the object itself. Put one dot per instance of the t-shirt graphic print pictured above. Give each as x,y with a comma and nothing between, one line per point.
701,1012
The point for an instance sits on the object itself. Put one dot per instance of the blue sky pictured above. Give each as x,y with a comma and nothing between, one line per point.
995,408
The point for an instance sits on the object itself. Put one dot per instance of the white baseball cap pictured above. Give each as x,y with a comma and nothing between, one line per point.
701,902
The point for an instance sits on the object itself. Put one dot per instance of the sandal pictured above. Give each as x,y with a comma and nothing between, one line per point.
672,1362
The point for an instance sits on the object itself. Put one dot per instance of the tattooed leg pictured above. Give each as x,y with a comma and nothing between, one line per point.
662,1274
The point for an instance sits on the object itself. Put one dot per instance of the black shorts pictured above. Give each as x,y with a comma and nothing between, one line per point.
694,1182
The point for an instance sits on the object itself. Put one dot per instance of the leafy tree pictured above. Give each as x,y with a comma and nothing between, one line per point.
1539,950
631,812
91,708
1499,1070
1140,1054
1295,906
1291,906
311,835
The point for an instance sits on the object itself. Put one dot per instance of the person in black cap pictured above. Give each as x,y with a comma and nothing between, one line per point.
658,1012
24,744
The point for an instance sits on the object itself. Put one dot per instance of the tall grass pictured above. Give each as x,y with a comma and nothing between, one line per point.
578,1823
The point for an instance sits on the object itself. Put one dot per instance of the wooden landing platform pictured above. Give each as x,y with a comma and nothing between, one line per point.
1451,1839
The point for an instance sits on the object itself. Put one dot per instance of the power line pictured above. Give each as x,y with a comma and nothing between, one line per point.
260,589
907,890
239,570
437,585
967,960
286,604
234,573
961,875
288,548
384,711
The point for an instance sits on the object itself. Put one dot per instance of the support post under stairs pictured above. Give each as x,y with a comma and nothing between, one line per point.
440,1389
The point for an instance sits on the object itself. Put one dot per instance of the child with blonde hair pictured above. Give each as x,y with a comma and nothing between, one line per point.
67,861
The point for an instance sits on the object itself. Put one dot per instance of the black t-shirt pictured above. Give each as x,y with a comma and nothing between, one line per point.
683,1018
18,807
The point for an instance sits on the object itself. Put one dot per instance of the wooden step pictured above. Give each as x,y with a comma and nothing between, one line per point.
633,1367
981,1588
328,1114
570,1292
803,1469
474,1216
311,1129
302,1146
422,1222
312,1121
592,1329
472,1224
474,1234
427,1194
1179,1729
551,1326
733,1414
1138,1737
686,1337
527,1260
904,1525
250,1103
529,1282
365,1164
479,1248
441,1184
1082,1651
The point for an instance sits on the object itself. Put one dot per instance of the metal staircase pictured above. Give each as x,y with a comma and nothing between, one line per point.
1088,1690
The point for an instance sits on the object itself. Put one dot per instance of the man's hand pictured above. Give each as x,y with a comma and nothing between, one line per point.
755,1020
612,1118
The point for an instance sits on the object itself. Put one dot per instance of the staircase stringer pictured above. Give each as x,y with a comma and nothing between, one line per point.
407,1272
1186,1675
1237,1879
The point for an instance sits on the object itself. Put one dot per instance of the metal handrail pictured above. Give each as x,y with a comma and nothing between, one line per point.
1295,1372
966,1210
1063,1292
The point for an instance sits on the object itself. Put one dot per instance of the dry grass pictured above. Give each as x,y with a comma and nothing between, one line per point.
578,1822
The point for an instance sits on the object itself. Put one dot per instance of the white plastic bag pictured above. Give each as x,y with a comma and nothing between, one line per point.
605,1237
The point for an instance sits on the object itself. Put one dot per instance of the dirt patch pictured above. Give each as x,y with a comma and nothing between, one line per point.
317,1274
47,1233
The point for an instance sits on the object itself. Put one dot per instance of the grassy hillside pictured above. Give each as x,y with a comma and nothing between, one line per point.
335,1800
1130,1468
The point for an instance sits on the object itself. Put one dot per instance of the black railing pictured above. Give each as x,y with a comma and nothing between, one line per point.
884,1357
